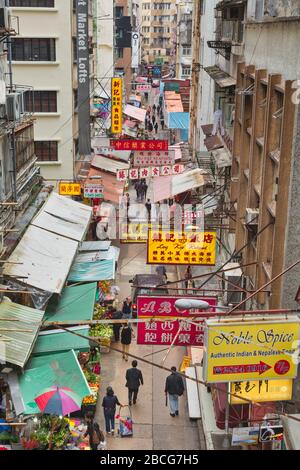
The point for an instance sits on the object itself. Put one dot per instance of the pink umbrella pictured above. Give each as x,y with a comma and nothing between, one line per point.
59,401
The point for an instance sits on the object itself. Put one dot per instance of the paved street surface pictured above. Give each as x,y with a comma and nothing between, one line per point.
154,428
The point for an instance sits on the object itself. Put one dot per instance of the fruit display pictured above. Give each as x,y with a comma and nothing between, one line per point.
104,286
99,312
101,331
89,400
91,377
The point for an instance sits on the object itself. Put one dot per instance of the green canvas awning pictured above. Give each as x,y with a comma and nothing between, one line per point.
42,372
92,271
75,304
59,341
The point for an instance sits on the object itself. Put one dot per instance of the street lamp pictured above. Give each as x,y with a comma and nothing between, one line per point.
189,304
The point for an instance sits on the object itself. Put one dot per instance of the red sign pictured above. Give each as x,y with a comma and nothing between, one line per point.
140,145
150,307
260,368
159,333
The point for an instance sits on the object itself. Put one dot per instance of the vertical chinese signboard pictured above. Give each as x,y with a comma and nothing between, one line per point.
116,107
83,68
163,324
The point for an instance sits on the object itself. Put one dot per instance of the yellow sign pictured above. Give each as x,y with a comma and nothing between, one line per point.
116,105
69,189
194,248
255,349
261,391
186,362
133,233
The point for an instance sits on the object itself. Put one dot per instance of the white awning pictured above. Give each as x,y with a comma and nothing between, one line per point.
112,253
166,187
108,164
135,113
94,246
222,157
64,216
45,260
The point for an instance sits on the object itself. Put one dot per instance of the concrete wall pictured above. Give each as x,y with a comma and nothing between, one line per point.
291,281
53,76
105,44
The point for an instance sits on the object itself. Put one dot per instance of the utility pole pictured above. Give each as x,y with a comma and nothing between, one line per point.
195,72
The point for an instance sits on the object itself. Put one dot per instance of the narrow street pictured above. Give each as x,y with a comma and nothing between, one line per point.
154,428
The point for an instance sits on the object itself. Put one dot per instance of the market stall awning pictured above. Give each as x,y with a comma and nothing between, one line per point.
207,129
112,253
55,341
167,187
222,157
75,304
178,120
95,246
108,164
213,142
136,113
221,78
112,189
92,271
15,345
45,260
65,217
61,369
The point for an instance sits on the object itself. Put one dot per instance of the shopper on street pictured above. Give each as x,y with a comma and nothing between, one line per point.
161,271
137,188
154,108
174,389
156,128
96,436
117,315
144,190
127,308
150,127
188,277
109,403
148,206
126,339
134,378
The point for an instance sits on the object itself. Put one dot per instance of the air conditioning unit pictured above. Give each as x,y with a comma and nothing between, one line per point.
4,18
251,216
13,107
235,276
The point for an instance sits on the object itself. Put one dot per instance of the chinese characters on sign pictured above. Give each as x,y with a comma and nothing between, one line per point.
141,145
93,191
139,173
144,88
156,158
69,189
260,351
116,108
194,248
165,307
261,391
160,333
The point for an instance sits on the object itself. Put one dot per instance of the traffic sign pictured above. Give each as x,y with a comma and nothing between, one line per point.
253,349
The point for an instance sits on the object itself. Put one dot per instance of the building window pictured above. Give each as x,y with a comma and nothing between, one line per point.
46,150
119,12
33,49
32,3
186,50
41,101
186,71
24,146
119,52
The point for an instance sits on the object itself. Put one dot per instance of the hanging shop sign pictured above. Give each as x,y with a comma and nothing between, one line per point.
154,171
133,233
104,150
261,391
156,158
140,145
116,107
236,350
163,333
189,216
93,191
271,433
193,248
69,189
135,50
144,88
245,436
164,306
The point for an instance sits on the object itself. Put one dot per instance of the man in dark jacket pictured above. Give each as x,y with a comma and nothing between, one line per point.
134,378
174,388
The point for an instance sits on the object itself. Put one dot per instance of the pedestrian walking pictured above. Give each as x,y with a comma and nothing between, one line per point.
174,389
154,108
109,404
153,119
144,190
150,127
117,315
96,436
161,271
148,206
137,188
127,308
156,128
162,123
134,378
188,276
158,110
126,338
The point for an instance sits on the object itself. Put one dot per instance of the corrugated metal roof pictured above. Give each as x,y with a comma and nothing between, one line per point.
222,157
59,340
166,187
136,113
108,164
95,246
113,189
18,346
45,260
75,304
62,370
64,216
112,253
90,272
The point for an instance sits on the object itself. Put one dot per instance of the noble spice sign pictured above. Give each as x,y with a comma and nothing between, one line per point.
193,248
261,391
239,350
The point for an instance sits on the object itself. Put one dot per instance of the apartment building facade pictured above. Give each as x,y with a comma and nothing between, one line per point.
42,59
123,43
184,40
